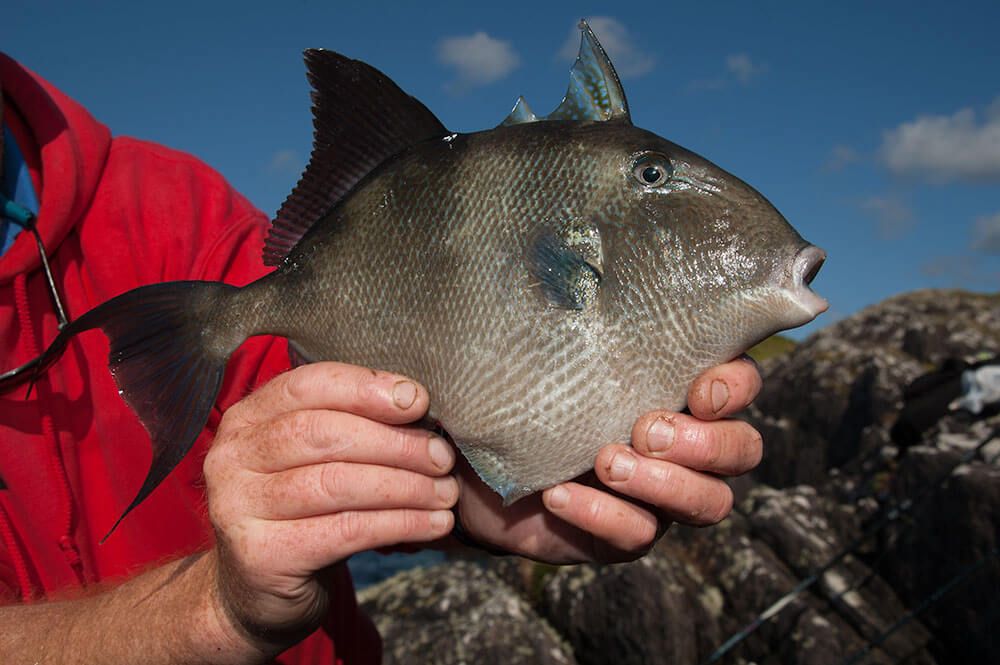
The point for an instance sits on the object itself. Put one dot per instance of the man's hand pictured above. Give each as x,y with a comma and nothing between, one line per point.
313,467
619,511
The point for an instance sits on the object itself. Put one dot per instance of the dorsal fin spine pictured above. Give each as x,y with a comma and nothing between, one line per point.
594,94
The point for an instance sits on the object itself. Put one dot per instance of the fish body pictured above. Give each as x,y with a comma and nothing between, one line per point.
549,280
436,268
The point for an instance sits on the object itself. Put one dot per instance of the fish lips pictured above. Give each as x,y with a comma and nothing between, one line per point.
805,266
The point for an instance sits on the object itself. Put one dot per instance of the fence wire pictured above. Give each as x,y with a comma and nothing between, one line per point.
893,514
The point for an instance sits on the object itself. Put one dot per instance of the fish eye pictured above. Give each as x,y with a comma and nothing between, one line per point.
652,170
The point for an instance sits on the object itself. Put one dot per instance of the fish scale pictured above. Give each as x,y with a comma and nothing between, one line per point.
548,280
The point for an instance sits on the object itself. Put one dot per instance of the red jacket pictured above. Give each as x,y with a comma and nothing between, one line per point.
116,213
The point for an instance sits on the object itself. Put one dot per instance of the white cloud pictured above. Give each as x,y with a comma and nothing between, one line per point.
629,59
478,59
969,271
743,68
941,148
841,156
740,68
954,269
707,84
986,234
285,161
894,217
974,269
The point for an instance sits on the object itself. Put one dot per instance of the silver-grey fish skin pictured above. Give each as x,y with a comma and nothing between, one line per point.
426,268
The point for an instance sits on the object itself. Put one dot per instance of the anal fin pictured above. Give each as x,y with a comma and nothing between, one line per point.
492,472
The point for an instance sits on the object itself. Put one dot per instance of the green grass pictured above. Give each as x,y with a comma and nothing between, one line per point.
773,346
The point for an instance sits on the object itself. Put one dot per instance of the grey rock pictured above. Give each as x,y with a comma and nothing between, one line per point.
808,532
952,529
459,614
817,624
833,399
655,611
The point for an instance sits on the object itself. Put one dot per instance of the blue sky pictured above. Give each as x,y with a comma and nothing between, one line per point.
874,128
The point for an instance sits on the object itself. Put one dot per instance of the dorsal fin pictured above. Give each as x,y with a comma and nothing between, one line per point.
594,95
360,119
520,113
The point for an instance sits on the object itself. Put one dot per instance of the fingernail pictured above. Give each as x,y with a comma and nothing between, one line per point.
622,466
720,395
446,489
660,435
440,453
558,497
404,393
441,519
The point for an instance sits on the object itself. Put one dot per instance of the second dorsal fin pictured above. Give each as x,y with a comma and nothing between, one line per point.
360,119
594,94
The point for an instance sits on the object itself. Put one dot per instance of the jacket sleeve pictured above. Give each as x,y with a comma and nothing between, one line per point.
7,594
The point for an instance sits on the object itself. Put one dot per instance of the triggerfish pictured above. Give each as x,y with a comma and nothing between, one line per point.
548,280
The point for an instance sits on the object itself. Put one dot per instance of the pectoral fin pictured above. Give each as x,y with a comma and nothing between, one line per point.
564,272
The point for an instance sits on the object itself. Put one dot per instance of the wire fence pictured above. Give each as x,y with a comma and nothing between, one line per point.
890,514
930,600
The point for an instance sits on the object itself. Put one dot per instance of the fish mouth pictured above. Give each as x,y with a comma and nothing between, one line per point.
804,269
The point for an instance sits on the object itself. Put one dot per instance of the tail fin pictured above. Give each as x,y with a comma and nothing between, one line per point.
169,349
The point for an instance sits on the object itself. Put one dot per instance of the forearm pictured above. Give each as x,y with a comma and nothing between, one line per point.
170,615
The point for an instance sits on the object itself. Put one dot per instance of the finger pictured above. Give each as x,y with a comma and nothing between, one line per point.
308,437
524,527
686,495
725,389
337,487
609,519
313,543
381,396
725,447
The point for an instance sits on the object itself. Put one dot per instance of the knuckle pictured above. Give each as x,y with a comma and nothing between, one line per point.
643,534
418,490
302,384
333,479
678,492
666,481
230,417
628,528
351,527
594,513
273,490
411,523
211,467
711,448
301,426
367,392
222,459
420,498
296,383
407,446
